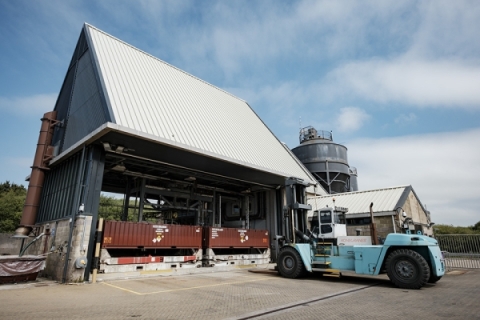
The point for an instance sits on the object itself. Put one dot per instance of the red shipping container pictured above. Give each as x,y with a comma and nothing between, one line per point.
128,235
235,238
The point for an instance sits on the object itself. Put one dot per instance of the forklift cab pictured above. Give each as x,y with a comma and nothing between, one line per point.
329,222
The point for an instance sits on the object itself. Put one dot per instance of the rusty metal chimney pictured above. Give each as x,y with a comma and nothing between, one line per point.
43,155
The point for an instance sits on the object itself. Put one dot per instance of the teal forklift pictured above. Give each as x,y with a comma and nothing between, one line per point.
321,244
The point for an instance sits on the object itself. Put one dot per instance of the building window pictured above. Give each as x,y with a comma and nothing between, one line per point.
358,221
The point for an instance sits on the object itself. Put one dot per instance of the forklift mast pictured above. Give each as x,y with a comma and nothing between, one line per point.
295,222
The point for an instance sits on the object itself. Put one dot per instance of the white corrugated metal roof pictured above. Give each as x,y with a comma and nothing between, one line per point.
148,95
384,200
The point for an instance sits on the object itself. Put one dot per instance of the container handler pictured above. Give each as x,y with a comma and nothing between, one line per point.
322,245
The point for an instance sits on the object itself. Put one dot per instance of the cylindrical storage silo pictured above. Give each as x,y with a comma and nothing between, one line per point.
326,160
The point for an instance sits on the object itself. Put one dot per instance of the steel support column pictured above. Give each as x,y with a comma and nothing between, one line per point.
91,200
247,211
142,200
126,201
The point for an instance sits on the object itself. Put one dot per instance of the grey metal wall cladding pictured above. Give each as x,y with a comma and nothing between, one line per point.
81,47
86,109
64,190
63,102
59,190
85,86
62,105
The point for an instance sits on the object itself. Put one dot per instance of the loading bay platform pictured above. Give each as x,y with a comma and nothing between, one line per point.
240,293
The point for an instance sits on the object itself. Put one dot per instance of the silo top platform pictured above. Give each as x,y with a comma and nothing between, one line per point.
310,133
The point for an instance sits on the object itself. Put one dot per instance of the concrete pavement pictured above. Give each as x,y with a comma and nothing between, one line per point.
243,294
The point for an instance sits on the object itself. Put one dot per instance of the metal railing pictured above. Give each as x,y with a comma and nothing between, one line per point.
460,250
309,133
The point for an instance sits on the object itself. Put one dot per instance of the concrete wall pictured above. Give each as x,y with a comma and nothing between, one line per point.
57,246
9,245
414,210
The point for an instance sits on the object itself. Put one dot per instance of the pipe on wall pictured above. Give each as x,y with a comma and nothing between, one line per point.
43,155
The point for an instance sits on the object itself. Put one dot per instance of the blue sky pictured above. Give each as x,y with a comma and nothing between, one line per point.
398,82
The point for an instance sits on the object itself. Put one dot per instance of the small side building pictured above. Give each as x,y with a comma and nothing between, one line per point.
395,210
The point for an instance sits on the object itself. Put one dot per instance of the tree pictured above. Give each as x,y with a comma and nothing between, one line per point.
12,199
450,229
476,226
112,209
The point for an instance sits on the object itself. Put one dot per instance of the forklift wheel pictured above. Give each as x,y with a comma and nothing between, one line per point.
407,269
290,264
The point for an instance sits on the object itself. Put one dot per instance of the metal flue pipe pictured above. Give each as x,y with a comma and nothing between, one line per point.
373,227
43,155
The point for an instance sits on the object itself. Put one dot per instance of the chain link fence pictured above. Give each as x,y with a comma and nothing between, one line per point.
460,250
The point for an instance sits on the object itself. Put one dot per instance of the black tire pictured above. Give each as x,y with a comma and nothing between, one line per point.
290,264
433,278
407,269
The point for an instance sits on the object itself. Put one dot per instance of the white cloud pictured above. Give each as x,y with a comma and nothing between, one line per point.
448,29
235,36
280,102
416,82
442,168
351,119
34,105
437,66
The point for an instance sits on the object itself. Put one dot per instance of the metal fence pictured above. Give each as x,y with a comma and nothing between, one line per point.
460,250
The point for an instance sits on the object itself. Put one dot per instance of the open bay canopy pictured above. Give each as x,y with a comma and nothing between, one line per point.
117,93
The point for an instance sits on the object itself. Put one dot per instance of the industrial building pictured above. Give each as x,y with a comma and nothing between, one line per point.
202,177
395,210
197,160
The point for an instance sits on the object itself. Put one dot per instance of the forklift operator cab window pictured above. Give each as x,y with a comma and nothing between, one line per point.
325,221
340,218
325,217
